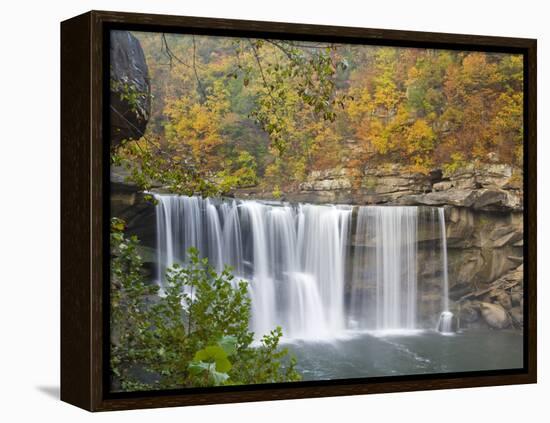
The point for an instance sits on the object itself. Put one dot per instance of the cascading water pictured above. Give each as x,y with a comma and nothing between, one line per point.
387,251
291,256
446,318
297,260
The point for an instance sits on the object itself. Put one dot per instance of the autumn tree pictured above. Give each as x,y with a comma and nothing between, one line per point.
233,112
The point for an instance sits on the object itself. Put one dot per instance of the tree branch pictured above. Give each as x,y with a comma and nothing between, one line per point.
172,56
201,88
257,58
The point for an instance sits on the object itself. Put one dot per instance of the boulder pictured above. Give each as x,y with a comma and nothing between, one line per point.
468,313
516,275
517,315
130,88
494,315
462,231
504,300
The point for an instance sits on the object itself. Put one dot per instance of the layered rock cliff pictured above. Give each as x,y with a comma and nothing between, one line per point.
484,231
484,223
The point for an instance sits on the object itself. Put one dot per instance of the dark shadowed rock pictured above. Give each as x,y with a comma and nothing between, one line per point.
130,204
130,88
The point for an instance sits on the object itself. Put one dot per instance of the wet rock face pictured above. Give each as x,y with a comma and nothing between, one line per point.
130,88
482,246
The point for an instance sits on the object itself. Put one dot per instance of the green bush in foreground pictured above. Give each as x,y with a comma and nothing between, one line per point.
195,335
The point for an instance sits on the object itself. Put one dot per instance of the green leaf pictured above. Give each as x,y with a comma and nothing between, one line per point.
229,344
216,354
212,352
218,375
218,378
197,367
223,365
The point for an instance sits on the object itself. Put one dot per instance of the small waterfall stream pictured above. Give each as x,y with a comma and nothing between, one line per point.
446,318
315,270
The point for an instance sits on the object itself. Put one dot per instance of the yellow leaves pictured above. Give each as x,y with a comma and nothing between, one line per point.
474,64
412,106
511,68
420,109
421,165
420,137
361,105
507,125
413,73
326,150
196,128
510,111
385,95
476,70
378,137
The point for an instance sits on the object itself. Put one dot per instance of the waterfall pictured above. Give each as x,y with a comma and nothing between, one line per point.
388,252
446,318
443,232
302,272
262,283
323,238
293,257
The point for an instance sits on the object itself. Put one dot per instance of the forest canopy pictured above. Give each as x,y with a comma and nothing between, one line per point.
235,112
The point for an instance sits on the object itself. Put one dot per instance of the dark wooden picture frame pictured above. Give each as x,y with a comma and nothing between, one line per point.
85,210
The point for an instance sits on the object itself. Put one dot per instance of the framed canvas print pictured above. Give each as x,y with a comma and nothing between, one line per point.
256,211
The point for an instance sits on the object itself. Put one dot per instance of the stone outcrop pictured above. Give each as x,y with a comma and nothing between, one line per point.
486,199
130,88
483,187
131,205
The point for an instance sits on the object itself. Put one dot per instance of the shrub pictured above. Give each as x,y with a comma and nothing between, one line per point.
196,334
